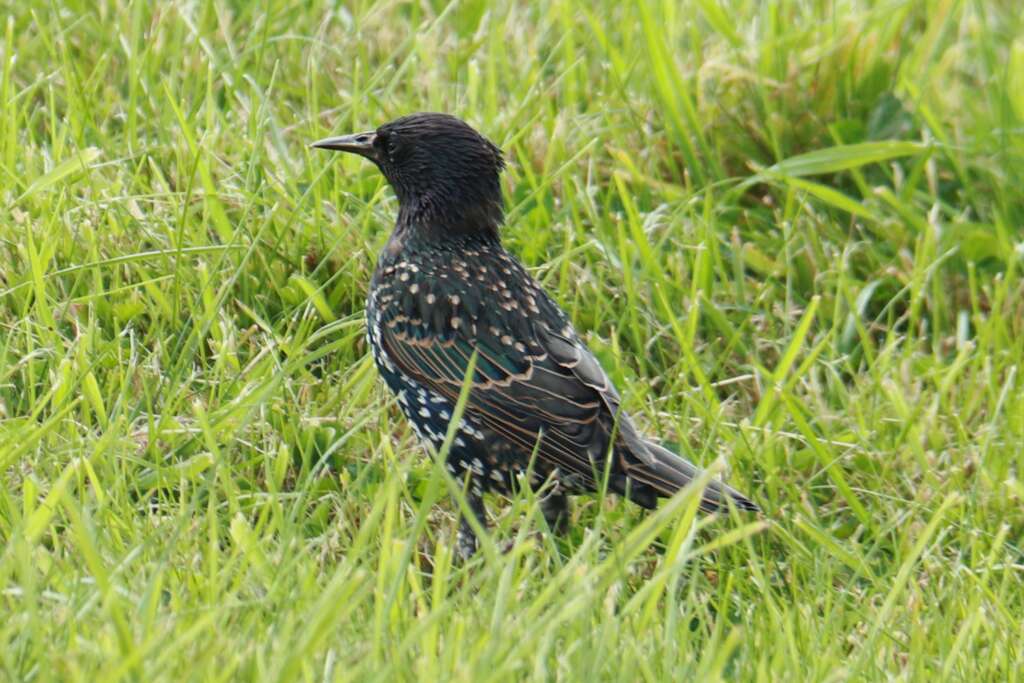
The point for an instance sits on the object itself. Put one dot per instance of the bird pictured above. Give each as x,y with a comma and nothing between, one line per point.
445,291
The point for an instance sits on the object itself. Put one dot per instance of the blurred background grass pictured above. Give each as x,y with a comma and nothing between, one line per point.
790,230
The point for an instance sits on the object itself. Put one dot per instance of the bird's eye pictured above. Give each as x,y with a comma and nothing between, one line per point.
392,147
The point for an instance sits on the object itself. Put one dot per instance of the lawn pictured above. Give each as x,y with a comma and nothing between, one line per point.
791,231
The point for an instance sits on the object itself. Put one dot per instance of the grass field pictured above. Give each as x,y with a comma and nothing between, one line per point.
792,232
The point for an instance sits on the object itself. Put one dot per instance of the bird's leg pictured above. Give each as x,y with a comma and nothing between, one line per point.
555,508
466,540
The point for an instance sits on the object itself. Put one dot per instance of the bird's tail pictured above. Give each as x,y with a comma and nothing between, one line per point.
666,473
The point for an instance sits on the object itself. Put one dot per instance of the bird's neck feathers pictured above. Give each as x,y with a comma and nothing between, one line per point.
458,209
422,227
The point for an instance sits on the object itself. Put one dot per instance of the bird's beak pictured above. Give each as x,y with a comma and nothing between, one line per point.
357,143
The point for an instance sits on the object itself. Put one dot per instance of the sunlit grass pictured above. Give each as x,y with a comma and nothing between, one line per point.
791,232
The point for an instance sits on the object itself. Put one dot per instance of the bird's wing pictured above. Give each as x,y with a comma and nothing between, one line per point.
533,380
529,380
647,466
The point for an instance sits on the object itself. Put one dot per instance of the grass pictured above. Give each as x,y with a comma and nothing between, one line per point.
791,231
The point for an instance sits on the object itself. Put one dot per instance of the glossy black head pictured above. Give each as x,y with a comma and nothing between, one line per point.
446,175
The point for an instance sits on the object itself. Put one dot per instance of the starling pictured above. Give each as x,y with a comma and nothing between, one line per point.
444,288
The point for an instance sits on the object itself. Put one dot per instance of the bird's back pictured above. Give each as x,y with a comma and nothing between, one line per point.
536,388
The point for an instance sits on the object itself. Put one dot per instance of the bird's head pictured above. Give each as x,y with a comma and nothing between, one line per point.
445,174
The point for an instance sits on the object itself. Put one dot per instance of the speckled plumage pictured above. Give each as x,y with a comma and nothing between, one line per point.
445,288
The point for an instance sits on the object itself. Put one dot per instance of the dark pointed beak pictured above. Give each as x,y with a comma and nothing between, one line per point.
357,143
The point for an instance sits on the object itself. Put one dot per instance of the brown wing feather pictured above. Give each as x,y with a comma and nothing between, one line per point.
517,394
